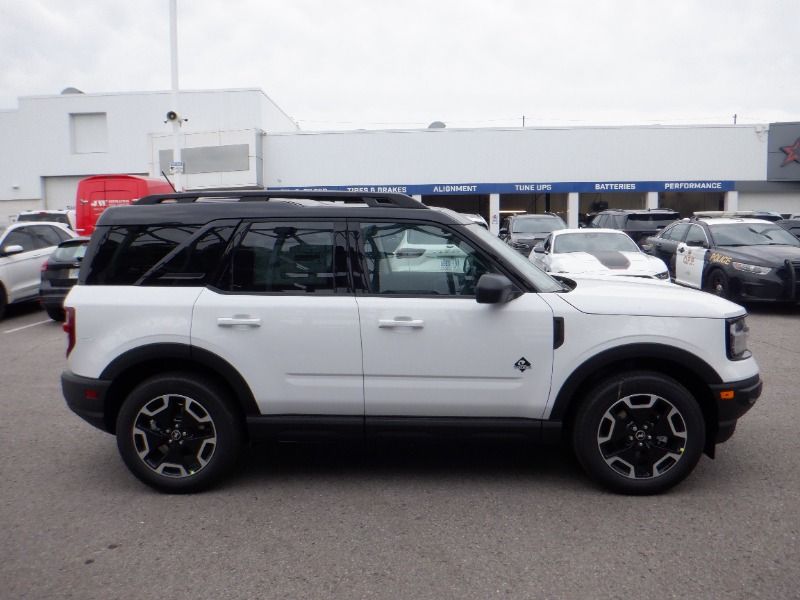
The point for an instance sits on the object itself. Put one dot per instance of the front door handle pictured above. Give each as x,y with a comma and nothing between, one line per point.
401,322
239,320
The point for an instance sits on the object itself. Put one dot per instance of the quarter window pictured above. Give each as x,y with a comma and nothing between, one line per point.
418,260
696,235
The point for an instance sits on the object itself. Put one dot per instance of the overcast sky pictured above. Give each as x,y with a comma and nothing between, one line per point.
375,64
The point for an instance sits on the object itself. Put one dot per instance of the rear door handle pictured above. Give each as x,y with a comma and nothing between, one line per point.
401,322
243,320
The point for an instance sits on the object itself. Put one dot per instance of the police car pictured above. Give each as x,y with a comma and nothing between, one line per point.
736,258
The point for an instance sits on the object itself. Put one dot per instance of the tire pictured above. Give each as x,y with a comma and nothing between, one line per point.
3,301
177,433
56,313
639,433
717,283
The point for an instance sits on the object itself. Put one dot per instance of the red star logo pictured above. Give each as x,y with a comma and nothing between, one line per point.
792,153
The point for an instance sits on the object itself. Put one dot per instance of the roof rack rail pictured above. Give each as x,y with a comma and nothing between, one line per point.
373,200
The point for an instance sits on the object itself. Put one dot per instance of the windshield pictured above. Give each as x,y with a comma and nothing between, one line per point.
593,242
541,280
639,222
752,234
537,225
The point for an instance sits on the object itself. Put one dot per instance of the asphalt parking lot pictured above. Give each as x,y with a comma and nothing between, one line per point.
390,521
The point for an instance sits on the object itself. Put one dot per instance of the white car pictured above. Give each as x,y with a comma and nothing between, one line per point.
605,252
23,249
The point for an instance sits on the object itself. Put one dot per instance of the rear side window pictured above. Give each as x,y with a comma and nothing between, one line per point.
294,258
128,252
194,264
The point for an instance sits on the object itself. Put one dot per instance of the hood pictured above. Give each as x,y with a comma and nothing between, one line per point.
764,255
612,262
614,296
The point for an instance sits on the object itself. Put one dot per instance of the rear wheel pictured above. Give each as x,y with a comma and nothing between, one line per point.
639,433
178,433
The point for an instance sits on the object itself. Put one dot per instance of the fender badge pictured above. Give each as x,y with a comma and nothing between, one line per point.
522,364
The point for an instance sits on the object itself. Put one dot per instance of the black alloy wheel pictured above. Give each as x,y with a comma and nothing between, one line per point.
177,433
3,302
639,433
55,313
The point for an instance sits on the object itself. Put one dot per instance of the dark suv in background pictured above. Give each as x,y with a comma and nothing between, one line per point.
639,224
522,232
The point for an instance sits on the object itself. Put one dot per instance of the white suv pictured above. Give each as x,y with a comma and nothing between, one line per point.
201,324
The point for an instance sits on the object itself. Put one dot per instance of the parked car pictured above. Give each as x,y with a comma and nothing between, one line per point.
523,231
740,259
66,217
638,224
59,274
596,252
23,248
199,326
790,225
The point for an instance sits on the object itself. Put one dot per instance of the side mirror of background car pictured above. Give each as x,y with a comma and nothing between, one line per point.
503,232
539,248
493,288
13,249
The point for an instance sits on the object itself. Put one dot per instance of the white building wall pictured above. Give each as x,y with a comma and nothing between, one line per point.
35,139
781,202
732,153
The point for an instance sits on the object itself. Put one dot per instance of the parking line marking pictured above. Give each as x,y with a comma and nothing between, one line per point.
26,326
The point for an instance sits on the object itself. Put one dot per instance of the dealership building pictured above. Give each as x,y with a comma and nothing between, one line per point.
239,138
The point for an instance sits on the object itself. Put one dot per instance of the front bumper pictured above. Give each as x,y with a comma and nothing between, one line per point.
86,397
781,285
734,400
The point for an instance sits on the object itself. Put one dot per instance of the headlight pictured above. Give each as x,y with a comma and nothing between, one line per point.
664,275
755,269
737,339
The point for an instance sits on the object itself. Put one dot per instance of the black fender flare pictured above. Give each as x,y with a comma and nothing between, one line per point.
189,354
668,355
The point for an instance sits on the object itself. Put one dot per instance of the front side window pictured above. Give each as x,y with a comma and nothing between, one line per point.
288,257
21,237
417,260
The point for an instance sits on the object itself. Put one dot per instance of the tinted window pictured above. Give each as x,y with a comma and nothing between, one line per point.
537,225
643,221
676,233
416,259
196,262
70,252
128,252
752,234
696,235
287,257
22,237
48,236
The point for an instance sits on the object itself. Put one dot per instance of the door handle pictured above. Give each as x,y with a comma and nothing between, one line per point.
243,320
401,322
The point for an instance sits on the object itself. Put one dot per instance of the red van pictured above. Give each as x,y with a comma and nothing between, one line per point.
97,193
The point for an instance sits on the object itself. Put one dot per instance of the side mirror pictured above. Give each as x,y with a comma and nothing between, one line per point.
539,248
503,232
494,289
13,249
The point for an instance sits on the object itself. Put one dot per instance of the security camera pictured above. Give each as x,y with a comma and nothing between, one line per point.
172,116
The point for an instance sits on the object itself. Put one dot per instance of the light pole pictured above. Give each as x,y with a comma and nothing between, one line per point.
174,115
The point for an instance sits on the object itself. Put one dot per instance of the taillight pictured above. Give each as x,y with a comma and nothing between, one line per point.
69,327
44,266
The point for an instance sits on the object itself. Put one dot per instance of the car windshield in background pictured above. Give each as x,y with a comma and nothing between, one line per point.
538,225
752,234
593,242
68,252
540,279
649,221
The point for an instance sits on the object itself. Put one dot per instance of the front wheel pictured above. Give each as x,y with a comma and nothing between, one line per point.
639,433
178,433
718,284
